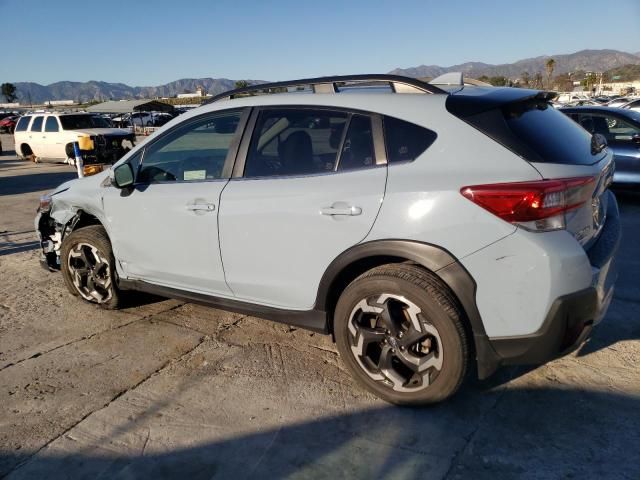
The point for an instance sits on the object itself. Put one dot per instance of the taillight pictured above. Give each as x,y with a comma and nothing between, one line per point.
537,206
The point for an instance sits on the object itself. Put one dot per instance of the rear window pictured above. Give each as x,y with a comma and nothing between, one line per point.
532,129
549,133
22,124
405,141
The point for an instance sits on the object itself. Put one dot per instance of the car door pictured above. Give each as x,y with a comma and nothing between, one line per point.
165,230
308,185
52,145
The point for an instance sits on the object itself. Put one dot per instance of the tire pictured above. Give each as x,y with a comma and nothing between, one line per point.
414,349
88,267
27,153
69,151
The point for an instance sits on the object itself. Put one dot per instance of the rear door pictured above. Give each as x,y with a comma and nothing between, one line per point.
51,139
308,185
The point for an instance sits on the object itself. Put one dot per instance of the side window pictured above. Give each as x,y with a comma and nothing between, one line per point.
22,124
36,126
358,150
295,142
195,151
51,125
596,124
621,131
405,141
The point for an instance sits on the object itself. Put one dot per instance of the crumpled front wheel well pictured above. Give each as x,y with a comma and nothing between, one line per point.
80,220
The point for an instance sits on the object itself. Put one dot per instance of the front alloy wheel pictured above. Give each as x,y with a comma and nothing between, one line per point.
88,266
90,273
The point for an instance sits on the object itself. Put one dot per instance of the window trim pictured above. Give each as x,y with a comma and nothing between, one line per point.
376,131
229,159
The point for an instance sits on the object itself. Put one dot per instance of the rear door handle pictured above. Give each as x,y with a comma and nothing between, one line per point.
341,208
197,207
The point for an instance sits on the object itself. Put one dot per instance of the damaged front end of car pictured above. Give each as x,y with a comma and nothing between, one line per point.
72,205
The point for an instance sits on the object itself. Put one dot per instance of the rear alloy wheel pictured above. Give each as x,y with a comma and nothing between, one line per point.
399,331
88,266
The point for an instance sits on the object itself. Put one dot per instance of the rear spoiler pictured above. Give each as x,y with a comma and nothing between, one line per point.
471,101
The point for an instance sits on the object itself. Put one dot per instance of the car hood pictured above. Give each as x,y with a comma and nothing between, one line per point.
91,181
103,131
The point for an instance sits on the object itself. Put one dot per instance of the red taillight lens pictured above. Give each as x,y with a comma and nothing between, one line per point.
527,202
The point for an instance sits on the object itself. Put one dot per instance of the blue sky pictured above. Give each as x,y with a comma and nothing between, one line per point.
145,43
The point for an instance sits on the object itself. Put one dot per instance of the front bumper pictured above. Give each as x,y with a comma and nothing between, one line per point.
49,242
572,317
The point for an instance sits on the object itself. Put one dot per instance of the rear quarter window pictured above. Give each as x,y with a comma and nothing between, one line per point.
22,124
405,141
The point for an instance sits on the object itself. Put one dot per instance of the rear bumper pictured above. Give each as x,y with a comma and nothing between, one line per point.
571,317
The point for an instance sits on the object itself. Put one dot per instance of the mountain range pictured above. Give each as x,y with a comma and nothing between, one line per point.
585,60
29,92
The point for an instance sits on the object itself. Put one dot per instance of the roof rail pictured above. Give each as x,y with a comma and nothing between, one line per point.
398,84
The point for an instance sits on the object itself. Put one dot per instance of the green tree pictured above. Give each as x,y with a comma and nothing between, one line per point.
9,92
525,80
549,66
242,84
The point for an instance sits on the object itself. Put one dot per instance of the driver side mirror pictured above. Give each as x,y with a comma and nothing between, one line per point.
123,176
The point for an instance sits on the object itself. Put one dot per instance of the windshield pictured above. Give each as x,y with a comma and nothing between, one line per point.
78,122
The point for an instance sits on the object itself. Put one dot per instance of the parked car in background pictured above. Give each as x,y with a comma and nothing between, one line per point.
50,136
435,234
621,128
7,124
139,119
160,118
632,105
618,102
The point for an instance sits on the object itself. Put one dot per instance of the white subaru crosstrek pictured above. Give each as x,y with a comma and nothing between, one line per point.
432,230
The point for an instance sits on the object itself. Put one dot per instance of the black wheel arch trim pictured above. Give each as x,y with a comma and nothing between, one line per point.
432,257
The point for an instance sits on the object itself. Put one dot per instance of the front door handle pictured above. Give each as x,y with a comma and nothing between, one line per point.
341,208
201,207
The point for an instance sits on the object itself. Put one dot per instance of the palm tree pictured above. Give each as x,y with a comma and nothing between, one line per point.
550,65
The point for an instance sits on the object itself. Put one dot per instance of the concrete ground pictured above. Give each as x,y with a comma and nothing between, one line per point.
165,389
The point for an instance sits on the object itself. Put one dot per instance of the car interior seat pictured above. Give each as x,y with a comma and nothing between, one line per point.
296,154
